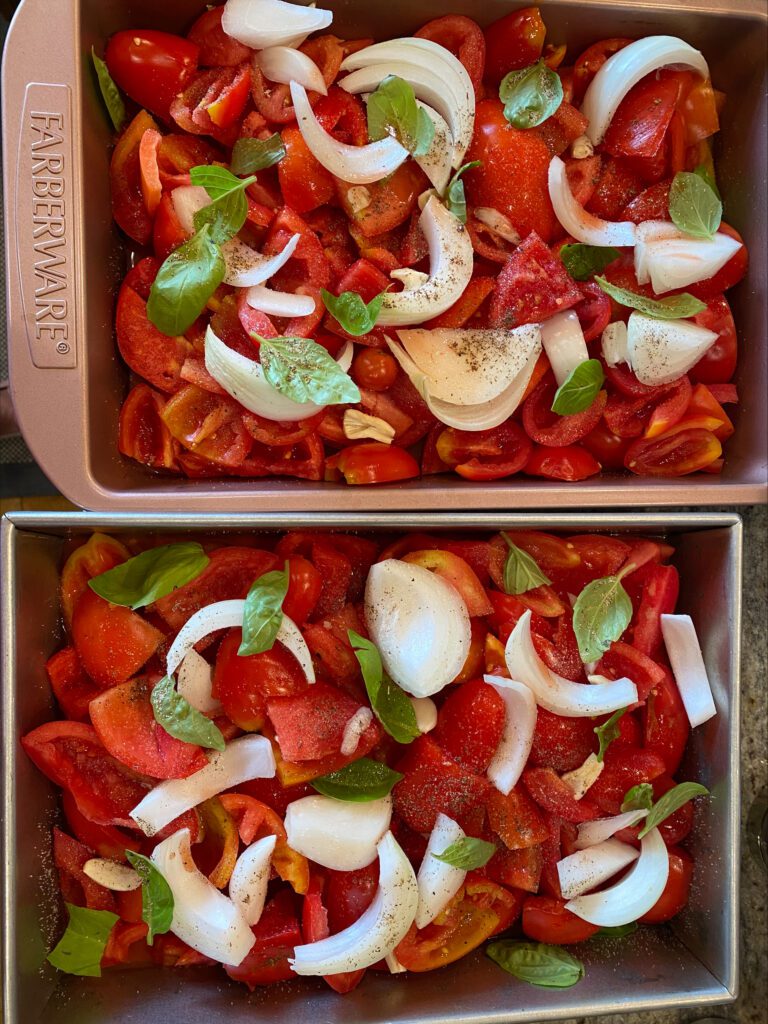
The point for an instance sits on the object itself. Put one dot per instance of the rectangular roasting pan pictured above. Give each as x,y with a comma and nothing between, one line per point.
693,963
68,382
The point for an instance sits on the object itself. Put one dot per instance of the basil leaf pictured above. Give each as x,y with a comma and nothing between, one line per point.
229,209
113,101
602,612
81,947
354,315
609,731
180,719
582,260
467,853
217,181
671,802
580,388
150,575
619,931
301,369
707,174
640,797
185,282
694,205
455,199
156,896
393,110
389,703
251,155
674,307
537,963
264,612
521,573
359,782
530,95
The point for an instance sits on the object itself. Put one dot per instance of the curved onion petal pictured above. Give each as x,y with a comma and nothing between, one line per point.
586,869
593,832
438,882
248,757
511,756
613,342
451,259
263,23
246,267
660,351
634,895
250,878
563,341
624,70
646,232
335,833
678,261
558,695
357,164
688,667
378,930
112,875
187,201
279,303
419,623
194,682
584,227
286,64
203,917
291,637
354,729
437,162
221,615
426,713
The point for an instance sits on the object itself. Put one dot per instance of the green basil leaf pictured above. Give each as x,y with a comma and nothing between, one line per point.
537,963
530,95
467,853
113,101
150,575
251,155
521,573
674,307
671,802
185,282
81,947
393,110
580,388
156,896
455,198
217,181
707,175
359,782
582,260
602,612
694,206
389,703
639,797
620,931
354,315
302,370
180,719
264,612
229,209
609,731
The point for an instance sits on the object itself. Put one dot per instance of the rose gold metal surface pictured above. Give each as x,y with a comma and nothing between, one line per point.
68,381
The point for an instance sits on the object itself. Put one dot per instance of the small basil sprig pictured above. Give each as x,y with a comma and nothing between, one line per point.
582,260
670,802
359,782
609,731
393,110
81,947
389,703
355,316
302,370
638,798
673,307
455,198
180,720
156,896
113,101
227,212
530,95
537,963
185,282
694,206
602,612
467,853
264,612
580,388
521,573
151,575
251,155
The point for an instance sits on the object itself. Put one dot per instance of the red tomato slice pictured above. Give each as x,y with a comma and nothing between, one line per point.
625,767
673,454
533,285
555,796
106,840
456,571
96,556
128,207
373,462
671,409
546,920
548,428
348,894
621,659
659,586
675,895
275,937
142,434
464,38
147,351
310,725
470,724
71,687
151,67
665,723
113,642
514,41
718,364
216,48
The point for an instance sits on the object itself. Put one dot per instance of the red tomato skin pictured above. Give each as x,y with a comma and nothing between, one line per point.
304,586
216,48
151,67
607,448
275,937
548,428
512,42
546,920
70,857
464,38
569,463
675,895
104,839
112,642
304,182
434,782
72,688
718,364
553,795
142,434
676,453
376,463
660,588
348,894
561,743
729,275
314,928
665,723
625,767
533,285
155,356
470,724
310,725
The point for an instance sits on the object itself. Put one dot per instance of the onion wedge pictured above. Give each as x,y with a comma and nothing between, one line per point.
285,64
250,877
194,682
187,201
335,833
263,23
660,351
246,267
563,341
676,261
593,832
688,666
613,342
584,227
511,756
438,882
279,303
586,869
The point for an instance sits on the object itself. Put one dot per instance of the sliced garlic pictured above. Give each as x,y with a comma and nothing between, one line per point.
581,778
582,147
359,424
359,198
110,874
498,223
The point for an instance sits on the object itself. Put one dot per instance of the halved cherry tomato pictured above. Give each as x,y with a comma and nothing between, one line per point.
546,920
304,586
373,462
673,454
151,67
470,724
569,463
463,37
718,364
484,454
454,570
142,434
512,42
112,641
548,428
373,369
533,285
675,895
671,409
213,101
310,725
608,448
128,206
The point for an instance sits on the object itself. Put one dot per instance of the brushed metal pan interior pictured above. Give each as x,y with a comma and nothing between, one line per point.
68,382
694,963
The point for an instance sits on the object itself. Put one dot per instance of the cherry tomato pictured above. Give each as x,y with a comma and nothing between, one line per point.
374,369
569,463
546,920
608,448
512,42
375,463
463,37
484,454
470,724
718,364
151,67
673,454
112,641
675,895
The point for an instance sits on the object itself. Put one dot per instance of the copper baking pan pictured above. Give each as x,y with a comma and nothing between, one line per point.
694,963
68,383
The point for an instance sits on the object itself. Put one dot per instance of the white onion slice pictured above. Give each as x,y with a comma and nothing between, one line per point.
678,261
511,756
584,226
279,303
613,342
563,341
357,164
250,878
245,758
378,930
285,64
437,162
625,69
394,965
335,833
220,615
194,682
660,351
438,882
586,869
419,623
111,875
187,201
246,267
498,223
291,637
649,231
634,895
593,832
580,779
688,667
426,713
203,917
264,23
354,729
409,277
558,695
